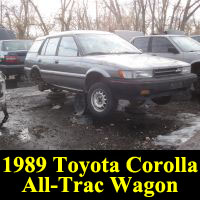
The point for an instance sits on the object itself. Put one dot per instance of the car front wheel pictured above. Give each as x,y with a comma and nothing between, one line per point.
100,100
162,100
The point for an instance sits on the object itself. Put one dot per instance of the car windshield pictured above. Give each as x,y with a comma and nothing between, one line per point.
100,44
186,44
16,45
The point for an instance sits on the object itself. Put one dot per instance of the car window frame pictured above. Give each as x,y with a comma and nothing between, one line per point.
41,48
49,38
151,42
72,36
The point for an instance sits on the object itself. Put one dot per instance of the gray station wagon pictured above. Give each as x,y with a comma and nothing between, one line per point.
179,47
105,68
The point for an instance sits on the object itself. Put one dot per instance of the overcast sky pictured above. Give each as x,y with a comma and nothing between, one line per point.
49,7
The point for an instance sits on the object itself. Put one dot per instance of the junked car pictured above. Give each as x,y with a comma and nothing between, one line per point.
179,47
12,57
105,68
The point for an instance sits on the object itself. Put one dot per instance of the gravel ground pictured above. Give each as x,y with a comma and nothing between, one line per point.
37,122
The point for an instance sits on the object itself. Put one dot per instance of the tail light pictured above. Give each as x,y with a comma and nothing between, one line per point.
10,59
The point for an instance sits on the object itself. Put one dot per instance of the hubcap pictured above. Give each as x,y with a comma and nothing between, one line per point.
99,100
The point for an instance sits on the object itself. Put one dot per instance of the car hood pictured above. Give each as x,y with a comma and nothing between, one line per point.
135,61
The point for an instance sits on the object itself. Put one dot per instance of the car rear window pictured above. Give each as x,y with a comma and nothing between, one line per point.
16,45
36,46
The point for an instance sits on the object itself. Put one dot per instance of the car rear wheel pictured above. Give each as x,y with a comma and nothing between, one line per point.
80,104
196,85
162,100
37,80
56,90
100,100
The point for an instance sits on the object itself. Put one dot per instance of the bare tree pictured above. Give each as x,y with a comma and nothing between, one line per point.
115,9
18,18
143,5
189,10
66,8
175,8
43,25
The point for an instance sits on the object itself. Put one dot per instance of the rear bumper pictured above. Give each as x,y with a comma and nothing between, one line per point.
151,88
12,69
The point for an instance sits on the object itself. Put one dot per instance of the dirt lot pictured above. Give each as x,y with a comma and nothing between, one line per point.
36,122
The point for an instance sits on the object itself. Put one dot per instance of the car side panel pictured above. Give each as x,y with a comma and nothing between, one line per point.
68,72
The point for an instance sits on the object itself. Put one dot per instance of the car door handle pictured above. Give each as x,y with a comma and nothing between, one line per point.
56,62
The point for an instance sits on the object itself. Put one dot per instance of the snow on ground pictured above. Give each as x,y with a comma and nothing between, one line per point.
179,137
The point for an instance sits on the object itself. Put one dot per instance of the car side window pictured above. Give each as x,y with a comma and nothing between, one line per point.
68,47
36,46
141,43
52,46
161,45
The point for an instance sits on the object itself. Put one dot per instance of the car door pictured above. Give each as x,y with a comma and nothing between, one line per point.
71,73
47,60
161,46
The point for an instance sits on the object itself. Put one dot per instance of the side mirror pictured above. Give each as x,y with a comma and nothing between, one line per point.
173,50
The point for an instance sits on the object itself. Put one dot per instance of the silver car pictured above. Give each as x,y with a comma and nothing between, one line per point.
179,47
105,68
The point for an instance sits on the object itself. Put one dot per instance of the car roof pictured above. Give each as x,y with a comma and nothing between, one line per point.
78,32
14,40
167,36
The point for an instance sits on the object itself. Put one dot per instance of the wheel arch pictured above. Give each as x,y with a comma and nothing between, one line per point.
34,70
94,76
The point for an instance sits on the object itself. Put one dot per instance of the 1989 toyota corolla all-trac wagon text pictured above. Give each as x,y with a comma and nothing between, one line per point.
105,68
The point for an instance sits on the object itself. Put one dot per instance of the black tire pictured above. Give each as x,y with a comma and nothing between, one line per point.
80,104
100,100
56,90
196,86
37,80
162,100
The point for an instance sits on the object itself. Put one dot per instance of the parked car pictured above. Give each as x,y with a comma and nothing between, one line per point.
12,57
105,68
196,37
177,47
